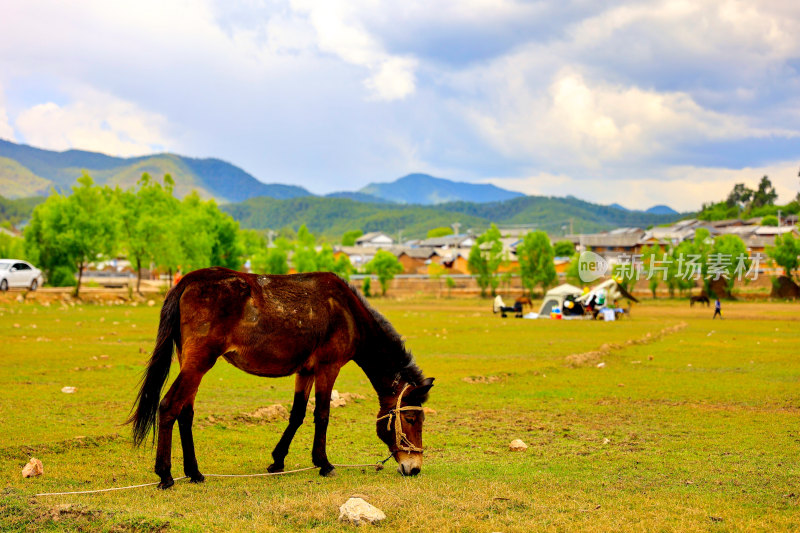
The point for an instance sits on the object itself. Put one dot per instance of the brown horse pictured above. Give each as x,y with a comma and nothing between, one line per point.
524,300
304,324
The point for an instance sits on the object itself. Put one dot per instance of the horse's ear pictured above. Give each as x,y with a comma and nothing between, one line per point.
420,393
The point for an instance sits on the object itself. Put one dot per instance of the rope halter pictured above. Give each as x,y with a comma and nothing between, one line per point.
401,440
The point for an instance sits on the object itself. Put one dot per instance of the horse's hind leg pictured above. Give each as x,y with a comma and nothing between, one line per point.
178,404
302,389
322,394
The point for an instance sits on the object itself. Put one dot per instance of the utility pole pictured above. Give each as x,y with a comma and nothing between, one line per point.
779,218
456,226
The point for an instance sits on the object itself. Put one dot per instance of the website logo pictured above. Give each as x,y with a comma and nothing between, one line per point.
591,267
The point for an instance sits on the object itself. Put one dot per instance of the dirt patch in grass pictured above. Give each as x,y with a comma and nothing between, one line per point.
595,356
486,379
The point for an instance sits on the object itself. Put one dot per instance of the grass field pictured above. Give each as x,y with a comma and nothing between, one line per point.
689,425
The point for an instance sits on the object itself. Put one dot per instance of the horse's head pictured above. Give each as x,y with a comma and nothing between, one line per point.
400,425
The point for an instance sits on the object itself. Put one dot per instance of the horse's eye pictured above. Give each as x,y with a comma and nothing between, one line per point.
410,419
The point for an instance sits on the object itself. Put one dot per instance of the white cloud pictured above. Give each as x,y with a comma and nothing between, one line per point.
594,123
288,88
96,121
340,32
683,188
6,131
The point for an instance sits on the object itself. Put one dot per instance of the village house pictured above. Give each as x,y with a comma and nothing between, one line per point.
358,255
376,239
416,260
449,241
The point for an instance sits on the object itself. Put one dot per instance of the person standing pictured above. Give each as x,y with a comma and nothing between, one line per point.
718,309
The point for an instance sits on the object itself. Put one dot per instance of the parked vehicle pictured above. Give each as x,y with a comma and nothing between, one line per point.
19,274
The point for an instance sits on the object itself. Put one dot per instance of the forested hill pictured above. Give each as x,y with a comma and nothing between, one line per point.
422,189
333,216
552,213
29,171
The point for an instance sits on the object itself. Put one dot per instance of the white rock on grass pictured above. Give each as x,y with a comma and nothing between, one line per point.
33,468
68,390
517,446
357,511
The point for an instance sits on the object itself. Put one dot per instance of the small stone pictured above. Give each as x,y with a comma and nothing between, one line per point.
429,411
151,303
357,511
16,325
517,446
606,441
33,468
601,365
68,390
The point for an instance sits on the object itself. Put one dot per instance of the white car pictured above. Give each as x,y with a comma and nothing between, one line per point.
19,274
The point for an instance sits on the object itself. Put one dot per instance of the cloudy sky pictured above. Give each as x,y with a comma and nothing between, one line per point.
612,101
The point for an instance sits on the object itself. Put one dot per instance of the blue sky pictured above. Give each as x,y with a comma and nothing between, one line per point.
631,102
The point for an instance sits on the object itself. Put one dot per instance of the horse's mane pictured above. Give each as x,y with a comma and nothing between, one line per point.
408,370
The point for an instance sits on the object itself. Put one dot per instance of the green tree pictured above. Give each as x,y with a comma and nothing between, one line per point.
728,258
73,231
485,257
785,252
366,288
202,236
305,254
273,260
435,272
451,284
328,262
652,259
12,247
536,264
144,217
349,237
765,194
769,220
385,266
740,196
252,242
441,231
564,248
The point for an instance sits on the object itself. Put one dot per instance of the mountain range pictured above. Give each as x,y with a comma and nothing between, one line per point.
29,171
412,203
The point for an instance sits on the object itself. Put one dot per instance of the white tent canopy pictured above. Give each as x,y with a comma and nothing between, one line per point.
555,297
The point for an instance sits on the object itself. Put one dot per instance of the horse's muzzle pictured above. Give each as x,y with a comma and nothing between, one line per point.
410,464
408,471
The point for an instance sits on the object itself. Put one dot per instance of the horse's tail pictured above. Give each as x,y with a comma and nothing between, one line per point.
144,412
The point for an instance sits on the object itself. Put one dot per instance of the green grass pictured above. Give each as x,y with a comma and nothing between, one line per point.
697,430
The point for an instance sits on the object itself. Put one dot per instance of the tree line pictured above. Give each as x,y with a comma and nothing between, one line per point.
154,230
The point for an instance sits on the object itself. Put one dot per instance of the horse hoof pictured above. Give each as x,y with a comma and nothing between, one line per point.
275,468
327,471
165,484
197,478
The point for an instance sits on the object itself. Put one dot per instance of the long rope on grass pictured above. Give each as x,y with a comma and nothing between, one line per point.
376,466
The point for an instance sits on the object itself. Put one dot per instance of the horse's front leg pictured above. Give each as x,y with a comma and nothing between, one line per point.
322,392
302,389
